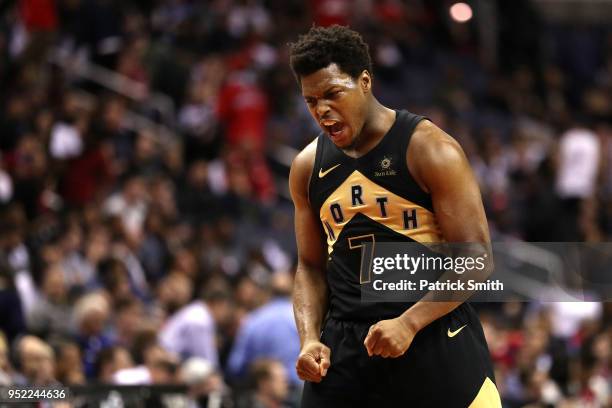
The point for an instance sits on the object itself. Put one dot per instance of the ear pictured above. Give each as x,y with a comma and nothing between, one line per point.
365,81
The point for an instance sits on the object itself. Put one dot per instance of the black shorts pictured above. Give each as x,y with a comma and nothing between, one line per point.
438,370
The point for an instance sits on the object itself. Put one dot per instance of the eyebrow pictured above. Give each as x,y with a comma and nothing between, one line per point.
326,92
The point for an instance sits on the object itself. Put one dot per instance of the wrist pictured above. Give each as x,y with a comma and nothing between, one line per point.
312,338
409,321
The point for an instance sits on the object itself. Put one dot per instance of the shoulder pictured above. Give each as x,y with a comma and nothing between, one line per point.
196,312
301,170
432,151
432,143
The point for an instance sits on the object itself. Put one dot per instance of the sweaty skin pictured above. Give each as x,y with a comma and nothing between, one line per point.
439,166
333,95
310,297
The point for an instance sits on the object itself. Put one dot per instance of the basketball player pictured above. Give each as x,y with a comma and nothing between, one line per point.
393,176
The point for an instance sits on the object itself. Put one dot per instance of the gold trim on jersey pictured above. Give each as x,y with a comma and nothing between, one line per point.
389,211
488,396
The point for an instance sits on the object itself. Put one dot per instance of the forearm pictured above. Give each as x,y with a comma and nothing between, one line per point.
436,304
423,313
310,302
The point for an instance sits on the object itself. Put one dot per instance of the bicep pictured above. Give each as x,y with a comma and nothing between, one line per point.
309,239
455,194
203,341
239,354
308,235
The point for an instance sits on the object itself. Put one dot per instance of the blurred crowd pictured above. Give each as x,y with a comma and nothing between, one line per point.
128,256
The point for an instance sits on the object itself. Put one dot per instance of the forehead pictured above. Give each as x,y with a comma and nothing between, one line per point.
320,81
278,369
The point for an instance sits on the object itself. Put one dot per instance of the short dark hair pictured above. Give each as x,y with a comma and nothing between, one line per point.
322,46
260,370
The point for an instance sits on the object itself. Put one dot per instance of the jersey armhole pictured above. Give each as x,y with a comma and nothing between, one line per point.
317,162
412,124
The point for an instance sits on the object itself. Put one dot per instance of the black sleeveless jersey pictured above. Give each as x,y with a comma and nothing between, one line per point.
372,198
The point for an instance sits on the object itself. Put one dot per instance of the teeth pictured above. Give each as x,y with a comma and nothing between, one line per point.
328,122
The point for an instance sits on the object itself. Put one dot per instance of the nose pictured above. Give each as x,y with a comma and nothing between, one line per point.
322,108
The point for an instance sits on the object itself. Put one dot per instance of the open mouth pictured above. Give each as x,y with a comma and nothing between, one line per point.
333,127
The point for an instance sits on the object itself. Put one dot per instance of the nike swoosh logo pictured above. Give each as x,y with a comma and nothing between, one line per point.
324,173
456,332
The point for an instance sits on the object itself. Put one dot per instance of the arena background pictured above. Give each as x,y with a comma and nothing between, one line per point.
146,237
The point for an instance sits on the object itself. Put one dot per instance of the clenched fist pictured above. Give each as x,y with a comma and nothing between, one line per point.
313,362
389,338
